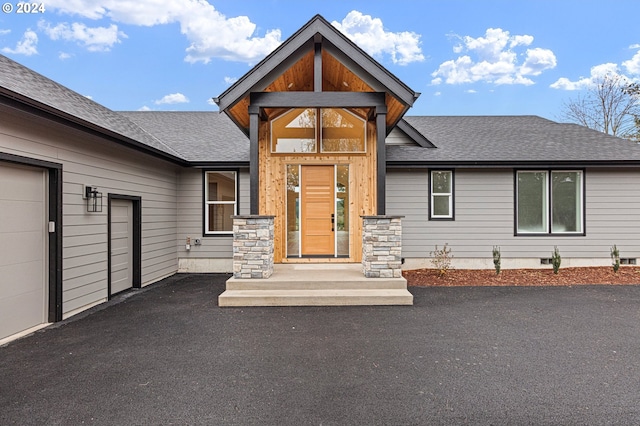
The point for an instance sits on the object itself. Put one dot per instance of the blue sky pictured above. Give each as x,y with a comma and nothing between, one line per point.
465,57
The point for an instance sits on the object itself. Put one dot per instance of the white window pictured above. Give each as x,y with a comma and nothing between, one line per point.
220,202
549,202
441,190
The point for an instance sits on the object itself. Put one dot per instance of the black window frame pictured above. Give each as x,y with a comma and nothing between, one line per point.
549,232
205,231
452,217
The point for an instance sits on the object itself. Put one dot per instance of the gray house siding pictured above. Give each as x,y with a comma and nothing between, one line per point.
215,253
90,160
484,217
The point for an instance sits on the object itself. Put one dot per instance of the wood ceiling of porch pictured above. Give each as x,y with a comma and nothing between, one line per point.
299,78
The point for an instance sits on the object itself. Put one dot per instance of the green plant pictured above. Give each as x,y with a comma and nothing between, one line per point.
496,259
615,258
556,260
441,260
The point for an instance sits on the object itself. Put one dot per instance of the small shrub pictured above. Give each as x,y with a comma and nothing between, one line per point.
496,259
615,258
441,260
556,260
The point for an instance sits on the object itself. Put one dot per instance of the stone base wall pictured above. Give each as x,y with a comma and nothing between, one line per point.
382,246
252,246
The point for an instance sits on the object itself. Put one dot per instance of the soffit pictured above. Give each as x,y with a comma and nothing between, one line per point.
336,77
345,67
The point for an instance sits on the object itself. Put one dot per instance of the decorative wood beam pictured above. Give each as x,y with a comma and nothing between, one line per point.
317,65
254,158
381,161
317,99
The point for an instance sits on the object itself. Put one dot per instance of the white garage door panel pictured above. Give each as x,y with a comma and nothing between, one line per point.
23,284
21,278
18,214
27,316
17,185
18,247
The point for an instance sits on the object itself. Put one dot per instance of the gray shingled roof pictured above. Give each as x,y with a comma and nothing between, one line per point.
203,137
197,136
510,139
26,85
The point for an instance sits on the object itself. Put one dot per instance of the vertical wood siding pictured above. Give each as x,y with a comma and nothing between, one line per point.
90,160
484,216
362,189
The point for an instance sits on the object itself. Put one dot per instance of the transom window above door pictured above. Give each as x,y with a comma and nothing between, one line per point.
298,131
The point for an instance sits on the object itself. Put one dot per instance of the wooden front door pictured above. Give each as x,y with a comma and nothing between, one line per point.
318,210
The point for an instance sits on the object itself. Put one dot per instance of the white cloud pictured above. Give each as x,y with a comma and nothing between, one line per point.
472,91
174,98
633,64
96,39
370,35
64,55
230,80
437,94
26,46
597,72
538,60
523,40
4,32
632,67
210,33
493,59
144,108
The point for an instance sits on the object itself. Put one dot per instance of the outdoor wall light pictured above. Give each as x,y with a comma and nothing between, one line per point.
94,199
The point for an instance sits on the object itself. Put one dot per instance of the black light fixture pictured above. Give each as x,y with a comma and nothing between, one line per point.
94,199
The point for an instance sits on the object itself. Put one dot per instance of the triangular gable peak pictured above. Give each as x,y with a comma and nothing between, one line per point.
318,58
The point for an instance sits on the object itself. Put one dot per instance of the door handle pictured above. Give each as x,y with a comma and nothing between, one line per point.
333,220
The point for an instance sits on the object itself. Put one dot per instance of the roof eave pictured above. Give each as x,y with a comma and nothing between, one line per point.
414,134
512,164
13,99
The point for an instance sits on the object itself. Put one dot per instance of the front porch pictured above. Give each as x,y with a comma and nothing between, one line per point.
316,285
258,281
317,112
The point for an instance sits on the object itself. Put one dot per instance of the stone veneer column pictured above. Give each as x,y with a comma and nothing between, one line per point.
382,246
252,246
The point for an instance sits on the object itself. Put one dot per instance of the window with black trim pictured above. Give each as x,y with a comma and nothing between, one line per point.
337,130
220,202
441,194
549,202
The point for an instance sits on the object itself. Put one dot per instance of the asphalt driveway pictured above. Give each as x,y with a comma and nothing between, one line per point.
168,355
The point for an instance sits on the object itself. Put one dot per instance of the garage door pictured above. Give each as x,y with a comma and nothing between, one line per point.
121,245
23,286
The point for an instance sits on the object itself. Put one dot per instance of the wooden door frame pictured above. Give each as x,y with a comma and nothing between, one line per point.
137,239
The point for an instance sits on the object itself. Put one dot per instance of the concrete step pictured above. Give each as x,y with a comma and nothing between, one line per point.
312,281
317,277
326,297
316,285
